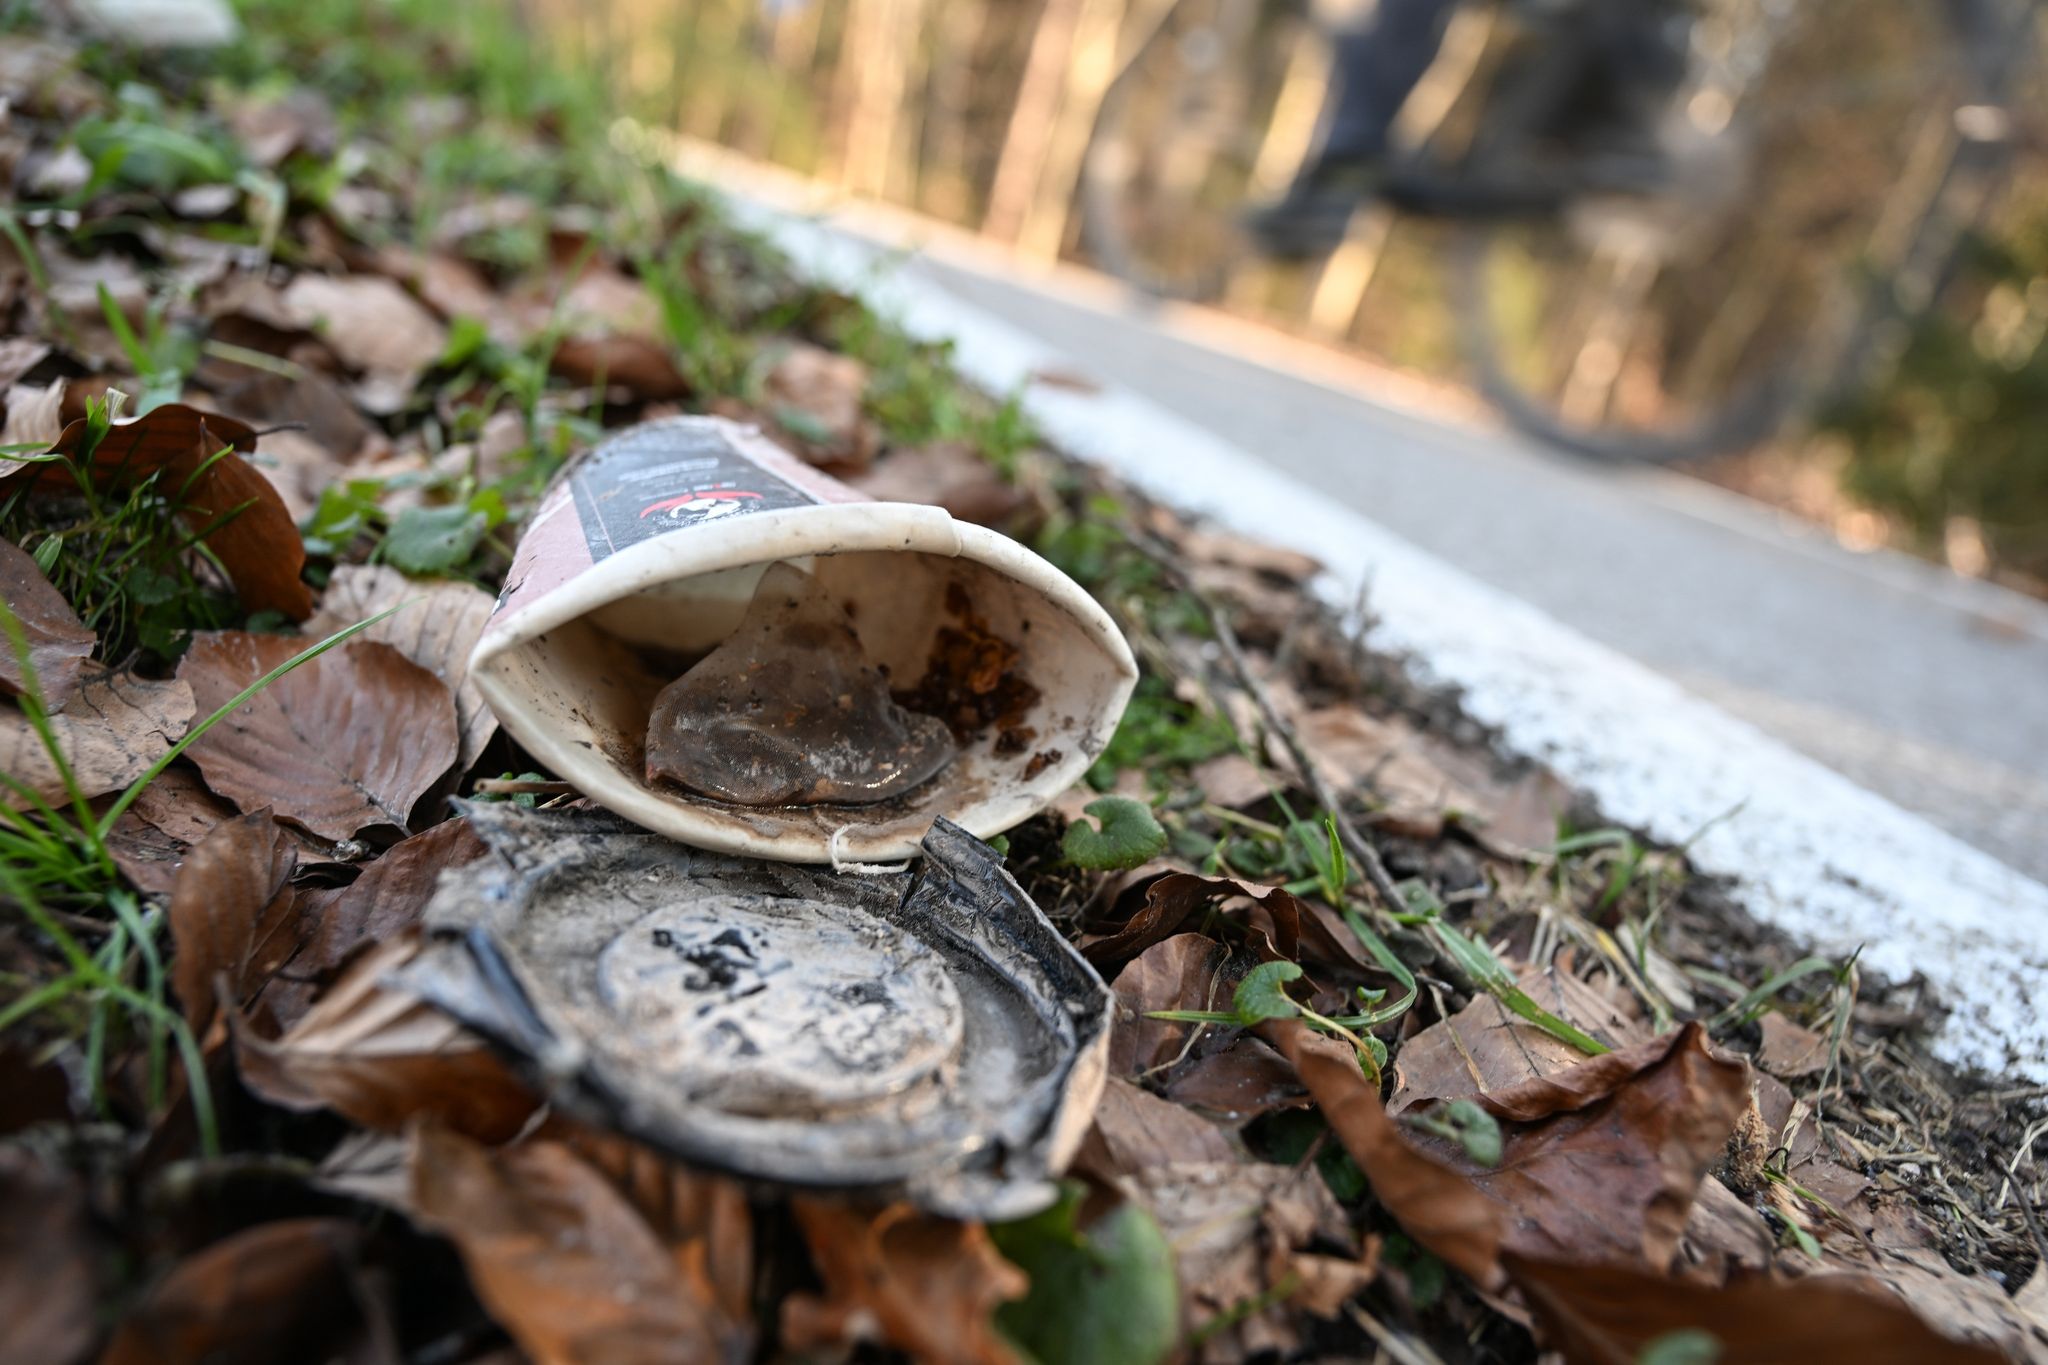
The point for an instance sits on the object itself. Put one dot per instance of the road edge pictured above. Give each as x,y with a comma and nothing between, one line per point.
1805,849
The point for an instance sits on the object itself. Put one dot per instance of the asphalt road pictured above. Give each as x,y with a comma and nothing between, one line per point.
1925,687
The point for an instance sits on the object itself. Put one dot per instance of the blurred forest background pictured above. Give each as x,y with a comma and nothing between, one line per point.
978,113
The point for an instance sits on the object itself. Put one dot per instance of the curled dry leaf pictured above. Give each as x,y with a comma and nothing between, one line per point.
344,743
1601,1163
436,630
563,1262
379,906
49,1262
613,333
112,730
1608,1315
19,355
1433,1203
927,1286
1172,899
243,520
382,1059
280,1291
233,914
58,641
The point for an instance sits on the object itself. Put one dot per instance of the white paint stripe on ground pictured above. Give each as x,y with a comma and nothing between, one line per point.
1810,852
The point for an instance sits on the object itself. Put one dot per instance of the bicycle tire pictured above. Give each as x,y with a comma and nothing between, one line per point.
1804,373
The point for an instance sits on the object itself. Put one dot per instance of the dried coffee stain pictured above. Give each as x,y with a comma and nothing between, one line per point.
972,681
790,712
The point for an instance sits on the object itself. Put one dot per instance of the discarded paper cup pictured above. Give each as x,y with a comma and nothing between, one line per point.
921,1034
647,554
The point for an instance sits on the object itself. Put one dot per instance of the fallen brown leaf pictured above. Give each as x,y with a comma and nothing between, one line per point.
1231,781
927,1286
948,474
19,355
57,640
344,743
1607,1315
1170,900
827,389
49,1262
233,914
331,421
1601,1162
150,840
1433,1203
1790,1051
112,730
376,328
1239,1228
245,522
563,1262
1184,972
1483,1048
35,417
383,903
613,332
382,1059
436,630
1238,1083
279,1291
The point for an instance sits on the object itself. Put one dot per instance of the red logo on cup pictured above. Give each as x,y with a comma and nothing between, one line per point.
701,504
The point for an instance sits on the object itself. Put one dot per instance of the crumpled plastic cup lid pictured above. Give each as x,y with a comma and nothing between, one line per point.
927,1033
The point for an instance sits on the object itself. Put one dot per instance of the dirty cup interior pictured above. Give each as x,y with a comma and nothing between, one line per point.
576,675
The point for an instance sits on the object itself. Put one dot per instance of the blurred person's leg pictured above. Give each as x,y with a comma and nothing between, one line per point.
1377,65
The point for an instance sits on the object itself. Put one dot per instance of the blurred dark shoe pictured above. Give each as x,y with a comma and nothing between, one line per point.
1311,218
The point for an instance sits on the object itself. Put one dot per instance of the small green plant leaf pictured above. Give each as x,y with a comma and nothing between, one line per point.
1466,1124
1128,836
1263,993
429,540
1686,1346
1100,1295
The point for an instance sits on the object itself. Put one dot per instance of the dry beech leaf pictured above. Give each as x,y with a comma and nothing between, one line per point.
233,914
1238,1084
705,1217
946,474
279,1291
150,840
562,1261
1484,1048
346,742
827,389
437,631
58,641
1171,900
112,730
331,421
926,1286
1790,1050
383,1058
19,355
1607,1315
1185,972
1237,1226
1433,1203
1601,1162
247,526
384,902
35,417
49,1262
613,333
372,324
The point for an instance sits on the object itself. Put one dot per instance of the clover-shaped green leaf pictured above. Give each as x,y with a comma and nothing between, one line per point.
1128,836
1263,993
